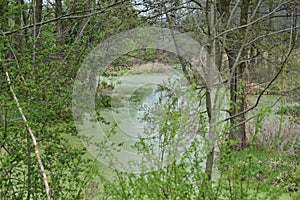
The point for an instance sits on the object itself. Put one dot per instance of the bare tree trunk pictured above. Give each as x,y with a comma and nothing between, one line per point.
58,13
237,90
210,157
35,144
211,58
25,22
238,127
29,171
38,15
237,99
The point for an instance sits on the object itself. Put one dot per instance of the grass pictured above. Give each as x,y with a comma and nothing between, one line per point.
75,141
270,171
263,169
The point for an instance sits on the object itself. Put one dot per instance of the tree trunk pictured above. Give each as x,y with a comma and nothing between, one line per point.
211,58
38,15
237,99
25,22
58,13
235,52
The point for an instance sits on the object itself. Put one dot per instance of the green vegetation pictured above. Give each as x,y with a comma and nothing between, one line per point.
254,45
257,172
249,174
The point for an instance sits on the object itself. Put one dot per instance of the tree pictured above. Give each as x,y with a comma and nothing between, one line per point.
235,29
41,48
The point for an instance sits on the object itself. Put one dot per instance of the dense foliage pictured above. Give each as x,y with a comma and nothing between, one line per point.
42,46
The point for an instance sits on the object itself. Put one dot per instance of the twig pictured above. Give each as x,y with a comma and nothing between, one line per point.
67,16
253,22
37,154
293,37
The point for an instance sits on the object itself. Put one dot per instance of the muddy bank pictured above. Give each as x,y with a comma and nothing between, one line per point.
154,67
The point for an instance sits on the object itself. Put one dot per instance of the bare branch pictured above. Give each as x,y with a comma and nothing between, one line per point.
67,16
265,89
252,22
37,154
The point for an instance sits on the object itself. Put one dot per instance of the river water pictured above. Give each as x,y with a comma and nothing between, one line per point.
134,96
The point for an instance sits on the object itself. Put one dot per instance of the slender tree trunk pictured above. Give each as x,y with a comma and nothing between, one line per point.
25,22
211,58
58,13
29,171
234,42
210,156
237,99
38,15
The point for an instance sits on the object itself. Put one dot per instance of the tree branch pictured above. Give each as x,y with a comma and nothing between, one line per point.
292,44
67,16
37,154
252,22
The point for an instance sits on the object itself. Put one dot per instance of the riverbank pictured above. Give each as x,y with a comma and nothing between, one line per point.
259,172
